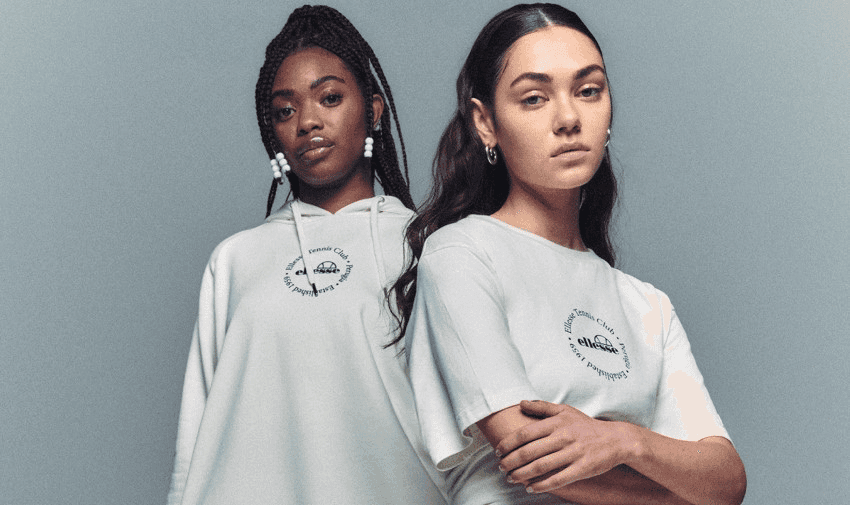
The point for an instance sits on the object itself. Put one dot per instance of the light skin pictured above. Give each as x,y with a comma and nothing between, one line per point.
318,113
550,117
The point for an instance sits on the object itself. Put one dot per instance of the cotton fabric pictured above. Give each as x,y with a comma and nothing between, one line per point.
502,315
289,397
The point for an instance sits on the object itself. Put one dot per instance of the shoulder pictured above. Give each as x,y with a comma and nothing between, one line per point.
392,207
632,283
651,302
397,219
457,243
458,252
241,244
468,233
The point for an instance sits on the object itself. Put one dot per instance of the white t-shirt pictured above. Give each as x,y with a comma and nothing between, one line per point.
502,315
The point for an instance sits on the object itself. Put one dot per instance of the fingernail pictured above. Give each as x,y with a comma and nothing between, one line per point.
502,469
529,490
510,480
498,453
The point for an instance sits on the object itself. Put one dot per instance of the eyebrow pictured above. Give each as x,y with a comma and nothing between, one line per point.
545,79
287,93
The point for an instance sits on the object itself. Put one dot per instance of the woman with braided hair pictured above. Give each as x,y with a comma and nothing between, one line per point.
289,395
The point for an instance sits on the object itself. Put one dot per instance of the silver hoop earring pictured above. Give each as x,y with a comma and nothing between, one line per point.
608,138
492,156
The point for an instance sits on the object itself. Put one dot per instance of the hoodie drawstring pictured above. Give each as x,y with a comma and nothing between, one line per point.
376,243
299,231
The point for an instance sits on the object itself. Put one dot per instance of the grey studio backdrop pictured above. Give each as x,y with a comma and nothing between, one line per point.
129,149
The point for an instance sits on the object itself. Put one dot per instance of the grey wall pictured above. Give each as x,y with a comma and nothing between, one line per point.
128,149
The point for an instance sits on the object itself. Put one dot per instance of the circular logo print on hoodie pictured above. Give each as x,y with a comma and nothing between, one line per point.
329,267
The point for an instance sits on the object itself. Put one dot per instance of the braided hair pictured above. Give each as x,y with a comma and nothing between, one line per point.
324,27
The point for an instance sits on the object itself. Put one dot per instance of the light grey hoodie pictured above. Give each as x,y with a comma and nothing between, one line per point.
289,396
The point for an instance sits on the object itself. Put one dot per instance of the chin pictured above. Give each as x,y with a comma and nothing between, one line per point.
574,178
327,180
321,183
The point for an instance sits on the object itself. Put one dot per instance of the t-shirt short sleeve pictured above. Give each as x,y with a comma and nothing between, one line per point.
463,363
684,409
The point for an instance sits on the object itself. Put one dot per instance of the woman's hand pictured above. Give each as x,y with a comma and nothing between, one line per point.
565,447
587,460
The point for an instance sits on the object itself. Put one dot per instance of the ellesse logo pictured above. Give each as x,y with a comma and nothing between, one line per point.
332,268
597,346
599,342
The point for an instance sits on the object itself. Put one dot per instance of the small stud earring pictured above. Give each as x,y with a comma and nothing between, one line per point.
279,165
367,149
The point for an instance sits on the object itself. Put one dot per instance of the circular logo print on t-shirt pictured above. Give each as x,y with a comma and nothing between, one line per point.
332,267
597,345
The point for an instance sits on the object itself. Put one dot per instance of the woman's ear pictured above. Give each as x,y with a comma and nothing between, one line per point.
483,119
377,110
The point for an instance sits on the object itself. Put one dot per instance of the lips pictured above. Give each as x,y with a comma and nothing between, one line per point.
566,149
314,149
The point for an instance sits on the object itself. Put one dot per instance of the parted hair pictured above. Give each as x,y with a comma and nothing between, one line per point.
324,27
464,182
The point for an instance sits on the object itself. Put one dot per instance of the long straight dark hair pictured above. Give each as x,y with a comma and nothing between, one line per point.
464,183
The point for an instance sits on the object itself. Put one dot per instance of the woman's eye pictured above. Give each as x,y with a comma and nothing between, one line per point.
589,92
282,113
332,99
533,100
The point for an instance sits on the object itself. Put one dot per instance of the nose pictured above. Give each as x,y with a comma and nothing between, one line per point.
566,118
309,119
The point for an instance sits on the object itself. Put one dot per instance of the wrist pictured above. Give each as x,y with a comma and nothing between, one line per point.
632,442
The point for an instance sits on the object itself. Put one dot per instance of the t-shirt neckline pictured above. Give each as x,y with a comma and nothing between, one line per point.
537,238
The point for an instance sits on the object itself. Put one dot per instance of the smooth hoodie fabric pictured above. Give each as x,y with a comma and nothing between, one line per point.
289,396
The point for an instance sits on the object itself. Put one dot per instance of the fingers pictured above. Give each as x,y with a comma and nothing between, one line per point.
542,466
578,470
527,455
540,408
555,481
524,435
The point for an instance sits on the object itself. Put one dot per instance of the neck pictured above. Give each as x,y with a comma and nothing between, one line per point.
551,214
336,196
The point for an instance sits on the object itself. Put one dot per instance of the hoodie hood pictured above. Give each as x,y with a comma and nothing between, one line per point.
386,205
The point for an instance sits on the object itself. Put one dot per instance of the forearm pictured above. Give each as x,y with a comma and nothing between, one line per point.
705,472
582,459
665,470
618,486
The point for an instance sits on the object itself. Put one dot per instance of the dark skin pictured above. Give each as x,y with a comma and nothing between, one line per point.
319,120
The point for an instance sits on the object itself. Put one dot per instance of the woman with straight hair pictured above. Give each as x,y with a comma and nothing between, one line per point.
289,395
541,373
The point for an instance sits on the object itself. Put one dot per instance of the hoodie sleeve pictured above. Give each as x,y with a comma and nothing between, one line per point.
203,356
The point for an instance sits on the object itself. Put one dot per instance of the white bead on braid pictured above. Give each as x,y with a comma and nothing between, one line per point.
279,165
367,152
284,165
275,169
